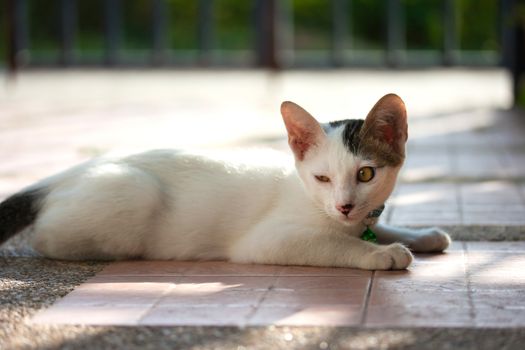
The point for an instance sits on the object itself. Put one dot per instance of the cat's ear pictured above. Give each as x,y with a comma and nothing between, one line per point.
304,132
386,123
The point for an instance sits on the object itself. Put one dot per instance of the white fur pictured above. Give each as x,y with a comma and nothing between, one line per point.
166,204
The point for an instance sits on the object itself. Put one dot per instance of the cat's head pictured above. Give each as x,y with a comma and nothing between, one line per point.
349,167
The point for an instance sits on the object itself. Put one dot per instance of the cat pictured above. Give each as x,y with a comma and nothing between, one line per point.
167,204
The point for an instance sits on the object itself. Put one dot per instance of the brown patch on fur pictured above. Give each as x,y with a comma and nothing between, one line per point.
385,131
381,151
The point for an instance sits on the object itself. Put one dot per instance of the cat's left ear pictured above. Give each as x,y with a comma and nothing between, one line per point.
304,132
387,123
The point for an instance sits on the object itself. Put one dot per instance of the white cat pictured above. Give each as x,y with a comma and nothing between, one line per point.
166,204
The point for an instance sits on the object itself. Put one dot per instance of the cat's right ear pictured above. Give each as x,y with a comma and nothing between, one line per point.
304,132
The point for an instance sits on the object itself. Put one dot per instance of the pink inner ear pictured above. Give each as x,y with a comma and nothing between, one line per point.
300,144
299,147
388,134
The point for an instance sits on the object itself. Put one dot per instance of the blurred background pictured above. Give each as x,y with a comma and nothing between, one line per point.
86,77
248,33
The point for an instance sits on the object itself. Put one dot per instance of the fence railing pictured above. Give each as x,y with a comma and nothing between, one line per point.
273,39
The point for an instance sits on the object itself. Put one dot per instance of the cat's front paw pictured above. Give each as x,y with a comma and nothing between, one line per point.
430,240
391,257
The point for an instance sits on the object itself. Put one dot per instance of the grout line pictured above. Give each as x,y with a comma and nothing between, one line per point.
152,307
472,309
250,315
367,299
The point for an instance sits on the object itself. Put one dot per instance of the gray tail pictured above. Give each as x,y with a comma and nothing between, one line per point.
19,211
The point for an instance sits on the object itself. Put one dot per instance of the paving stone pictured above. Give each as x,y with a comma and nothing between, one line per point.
205,315
498,317
419,316
307,315
146,268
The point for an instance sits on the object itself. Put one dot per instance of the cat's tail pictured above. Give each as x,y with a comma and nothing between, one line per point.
19,211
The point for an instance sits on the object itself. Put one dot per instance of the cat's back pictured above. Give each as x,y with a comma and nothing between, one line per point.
213,165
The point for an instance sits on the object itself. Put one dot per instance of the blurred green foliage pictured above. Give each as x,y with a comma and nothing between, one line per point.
312,24
90,27
183,16
424,24
233,23
369,24
478,24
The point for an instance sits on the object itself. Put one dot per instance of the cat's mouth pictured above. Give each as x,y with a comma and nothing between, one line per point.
355,216
350,219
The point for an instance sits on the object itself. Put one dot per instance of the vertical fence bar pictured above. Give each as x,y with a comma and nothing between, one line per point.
160,31
284,28
450,33
205,31
349,26
265,34
507,32
339,31
113,30
17,32
12,63
68,14
512,38
395,33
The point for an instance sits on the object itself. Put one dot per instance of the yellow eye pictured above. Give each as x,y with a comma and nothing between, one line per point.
322,178
366,174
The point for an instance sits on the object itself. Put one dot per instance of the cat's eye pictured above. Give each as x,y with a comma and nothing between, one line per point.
366,174
322,178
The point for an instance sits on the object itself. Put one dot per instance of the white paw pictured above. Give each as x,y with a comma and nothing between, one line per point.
391,257
430,240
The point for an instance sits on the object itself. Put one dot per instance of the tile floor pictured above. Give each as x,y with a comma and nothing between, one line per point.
473,284
465,169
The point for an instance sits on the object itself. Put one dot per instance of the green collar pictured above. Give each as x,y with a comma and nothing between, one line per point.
369,235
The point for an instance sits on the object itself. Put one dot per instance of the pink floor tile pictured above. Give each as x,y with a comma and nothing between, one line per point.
455,246
401,281
420,298
496,263
146,268
496,283
300,283
321,271
501,299
237,298
223,283
452,256
319,315
197,316
480,287
99,292
498,317
506,246
219,268
283,298
92,315
418,316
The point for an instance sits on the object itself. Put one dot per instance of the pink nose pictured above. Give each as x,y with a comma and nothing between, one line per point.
345,209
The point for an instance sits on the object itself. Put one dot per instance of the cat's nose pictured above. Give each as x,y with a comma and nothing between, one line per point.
345,209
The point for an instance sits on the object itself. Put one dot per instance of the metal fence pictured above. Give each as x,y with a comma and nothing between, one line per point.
273,44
